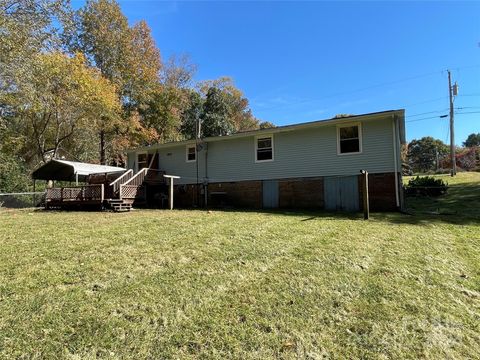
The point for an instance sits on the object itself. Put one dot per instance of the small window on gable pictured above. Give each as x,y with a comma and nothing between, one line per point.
191,153
349,139
142,160
264,148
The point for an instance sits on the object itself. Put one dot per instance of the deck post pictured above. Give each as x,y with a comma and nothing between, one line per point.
170,195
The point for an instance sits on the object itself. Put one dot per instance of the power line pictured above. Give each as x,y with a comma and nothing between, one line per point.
467,107
376,86
428,112
426,118
468,112
442,116
355,91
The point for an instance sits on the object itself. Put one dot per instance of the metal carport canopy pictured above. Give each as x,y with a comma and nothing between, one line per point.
63,170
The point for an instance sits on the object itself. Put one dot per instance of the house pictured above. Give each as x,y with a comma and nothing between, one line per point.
309,165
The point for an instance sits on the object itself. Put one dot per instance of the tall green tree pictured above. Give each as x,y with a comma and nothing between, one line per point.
215,117
163,113
62,97
422,153
127,56
192,115
239,116
472,140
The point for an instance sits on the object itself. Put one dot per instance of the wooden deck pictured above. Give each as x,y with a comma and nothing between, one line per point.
75,196
122,193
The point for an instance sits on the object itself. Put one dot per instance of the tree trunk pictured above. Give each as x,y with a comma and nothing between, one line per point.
102,147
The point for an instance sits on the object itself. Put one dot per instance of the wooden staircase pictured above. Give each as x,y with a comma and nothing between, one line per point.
131,188
119,205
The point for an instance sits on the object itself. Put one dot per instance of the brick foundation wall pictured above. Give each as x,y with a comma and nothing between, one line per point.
293,193
381,191
185,196
301,193
241,194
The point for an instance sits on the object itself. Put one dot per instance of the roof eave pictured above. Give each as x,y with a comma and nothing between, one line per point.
275,130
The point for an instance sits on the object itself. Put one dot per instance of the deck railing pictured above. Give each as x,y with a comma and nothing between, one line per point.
121,180
132,192
134,188
138,178
75,193
131,188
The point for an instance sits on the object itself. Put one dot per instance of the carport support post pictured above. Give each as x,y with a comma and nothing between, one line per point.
366,206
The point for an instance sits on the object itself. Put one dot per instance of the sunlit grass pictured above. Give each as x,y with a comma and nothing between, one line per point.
462,198
245,285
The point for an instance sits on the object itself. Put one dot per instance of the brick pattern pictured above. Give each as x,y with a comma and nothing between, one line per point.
293,193
381,191
185,196
242,194
301,193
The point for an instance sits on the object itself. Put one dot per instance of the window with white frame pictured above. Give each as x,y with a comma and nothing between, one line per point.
349,139
264,148
191,155
142,160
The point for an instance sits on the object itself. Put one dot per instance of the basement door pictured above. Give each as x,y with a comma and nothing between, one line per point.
270,194
341,193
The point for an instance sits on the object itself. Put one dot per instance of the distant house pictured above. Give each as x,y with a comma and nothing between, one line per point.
309,165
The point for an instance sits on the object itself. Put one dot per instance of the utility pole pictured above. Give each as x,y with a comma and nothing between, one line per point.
452,91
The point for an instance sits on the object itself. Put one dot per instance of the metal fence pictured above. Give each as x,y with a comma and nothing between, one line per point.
22,200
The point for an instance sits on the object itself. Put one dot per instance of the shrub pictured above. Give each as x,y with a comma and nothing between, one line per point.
427,186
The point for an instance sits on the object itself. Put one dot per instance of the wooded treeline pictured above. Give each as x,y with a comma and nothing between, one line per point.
429,155
85,85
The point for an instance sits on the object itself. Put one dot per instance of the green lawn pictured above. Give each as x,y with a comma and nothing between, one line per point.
245,285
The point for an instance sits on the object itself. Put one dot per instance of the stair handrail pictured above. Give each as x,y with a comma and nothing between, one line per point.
138,176
115,183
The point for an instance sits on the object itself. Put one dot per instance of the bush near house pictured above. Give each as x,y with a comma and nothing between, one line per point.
426,185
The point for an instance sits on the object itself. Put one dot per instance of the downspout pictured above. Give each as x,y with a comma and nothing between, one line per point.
395,161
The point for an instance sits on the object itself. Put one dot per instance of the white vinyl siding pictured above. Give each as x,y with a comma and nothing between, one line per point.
297,153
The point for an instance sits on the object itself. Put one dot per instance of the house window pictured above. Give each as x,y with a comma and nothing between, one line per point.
142,160
349,139
191,153
264,148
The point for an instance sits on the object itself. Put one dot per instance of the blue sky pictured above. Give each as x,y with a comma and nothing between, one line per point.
303,61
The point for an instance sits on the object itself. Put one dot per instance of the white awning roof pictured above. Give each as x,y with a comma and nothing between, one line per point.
65,170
